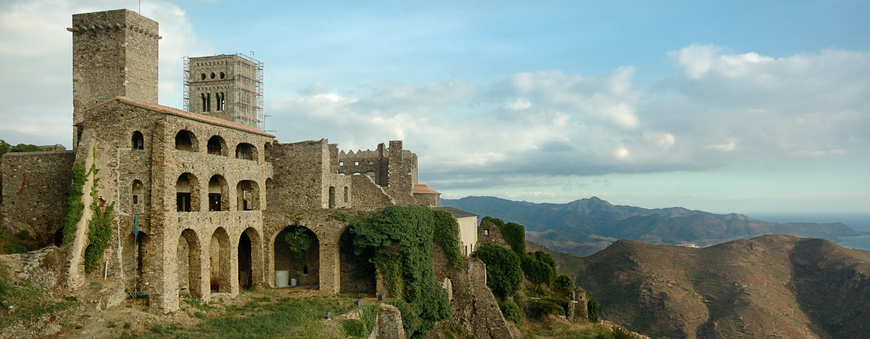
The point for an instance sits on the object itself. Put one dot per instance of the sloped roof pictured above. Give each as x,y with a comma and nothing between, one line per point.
457,213
423,189
185,114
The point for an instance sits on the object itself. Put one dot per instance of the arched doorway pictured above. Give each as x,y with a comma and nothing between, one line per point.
219,261
357,274
245,262
189,268
304,266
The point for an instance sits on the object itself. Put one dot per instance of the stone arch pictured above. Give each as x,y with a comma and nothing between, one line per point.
189,276
250,259
248,193
356,274
219,261
137,141
304,268
187,193
185,141
218,194
246,151
217,146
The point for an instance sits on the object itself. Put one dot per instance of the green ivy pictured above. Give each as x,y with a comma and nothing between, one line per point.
299,241
539,267
99,228
515,235
447,236
398,240
592,308
503,271
75,206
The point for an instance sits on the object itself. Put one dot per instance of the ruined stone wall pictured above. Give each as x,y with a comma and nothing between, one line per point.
368,196
374,164
475,308
36,189
490,234
431,200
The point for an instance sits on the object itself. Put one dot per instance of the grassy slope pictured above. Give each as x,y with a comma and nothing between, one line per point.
770,286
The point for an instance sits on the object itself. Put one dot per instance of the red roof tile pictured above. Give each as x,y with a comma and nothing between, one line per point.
423,189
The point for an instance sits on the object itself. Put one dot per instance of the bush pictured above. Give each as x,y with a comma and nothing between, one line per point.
353,328
592,308
25,148
515,235
563,284
502,269
512,312
539,271
537,309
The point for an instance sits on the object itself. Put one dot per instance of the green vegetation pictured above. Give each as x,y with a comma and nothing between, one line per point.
99,228
503,270
398,240
539,268
592,308
299,241
75,205
447,236
26,304
511,311
4,147
563,284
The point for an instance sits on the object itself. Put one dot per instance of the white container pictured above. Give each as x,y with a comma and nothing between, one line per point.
281,278
292,282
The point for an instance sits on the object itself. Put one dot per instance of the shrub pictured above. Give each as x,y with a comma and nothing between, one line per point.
502,269
25,148
536,270
537,309
563,284
515,235
353,328
512,312
592,308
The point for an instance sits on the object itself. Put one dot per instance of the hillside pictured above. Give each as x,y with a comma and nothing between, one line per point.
586,226
773,286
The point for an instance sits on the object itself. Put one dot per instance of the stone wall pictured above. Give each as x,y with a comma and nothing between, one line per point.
475,308
35,189
490,234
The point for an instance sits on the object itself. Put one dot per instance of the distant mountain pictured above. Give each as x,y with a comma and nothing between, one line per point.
773,286
585,226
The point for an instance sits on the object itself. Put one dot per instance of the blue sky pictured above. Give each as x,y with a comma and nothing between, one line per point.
747,107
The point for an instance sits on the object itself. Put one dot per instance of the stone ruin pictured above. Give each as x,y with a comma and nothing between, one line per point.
201,198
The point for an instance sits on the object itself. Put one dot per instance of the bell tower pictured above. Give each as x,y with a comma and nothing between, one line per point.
114,54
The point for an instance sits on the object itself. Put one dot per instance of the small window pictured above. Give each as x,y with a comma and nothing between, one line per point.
135,200
485,232
356,163
212,75
246,152
138,140
223,75
216,145
202,76
185,141
341,163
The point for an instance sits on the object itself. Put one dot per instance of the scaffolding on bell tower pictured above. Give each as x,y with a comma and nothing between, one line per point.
227,86
186,83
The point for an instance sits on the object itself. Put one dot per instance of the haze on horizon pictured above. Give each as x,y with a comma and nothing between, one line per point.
743,107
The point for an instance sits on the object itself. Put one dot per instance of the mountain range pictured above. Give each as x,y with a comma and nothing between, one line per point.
586,226
772,286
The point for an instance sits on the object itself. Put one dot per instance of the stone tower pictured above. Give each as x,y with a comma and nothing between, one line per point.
114,54
227,86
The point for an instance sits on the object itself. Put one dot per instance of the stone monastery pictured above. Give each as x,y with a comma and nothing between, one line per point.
198,200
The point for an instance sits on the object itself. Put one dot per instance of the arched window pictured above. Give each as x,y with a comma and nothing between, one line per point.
208,102
217,194
185,141
204,100
248,193
246,151
221,101
138,141
217,146
187,193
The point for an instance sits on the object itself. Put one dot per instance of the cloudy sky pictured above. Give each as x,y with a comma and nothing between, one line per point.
748,107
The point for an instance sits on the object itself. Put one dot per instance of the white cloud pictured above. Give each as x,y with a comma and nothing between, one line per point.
727,147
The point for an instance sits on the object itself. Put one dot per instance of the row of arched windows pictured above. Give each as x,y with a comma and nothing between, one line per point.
186,141
188,194
220,101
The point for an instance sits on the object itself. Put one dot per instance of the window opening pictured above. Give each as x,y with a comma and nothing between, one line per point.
331,196
345,194
138,140
214,201
183,201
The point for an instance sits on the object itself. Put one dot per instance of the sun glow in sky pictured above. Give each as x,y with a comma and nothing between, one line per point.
740,107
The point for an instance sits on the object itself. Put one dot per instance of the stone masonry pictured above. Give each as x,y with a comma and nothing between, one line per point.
210,195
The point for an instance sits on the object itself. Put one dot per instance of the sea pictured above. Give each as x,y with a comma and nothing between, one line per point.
857,221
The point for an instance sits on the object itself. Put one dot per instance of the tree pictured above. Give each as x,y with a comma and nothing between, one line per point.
503,270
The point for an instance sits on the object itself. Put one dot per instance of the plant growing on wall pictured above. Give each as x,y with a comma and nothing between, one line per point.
398,240
75,206
447,236
99,228
299,242
503,271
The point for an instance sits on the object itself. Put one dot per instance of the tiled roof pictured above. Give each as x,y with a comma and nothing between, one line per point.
457,213
186,114
423,189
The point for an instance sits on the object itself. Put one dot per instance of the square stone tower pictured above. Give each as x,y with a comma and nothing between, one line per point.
114,54
227,86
